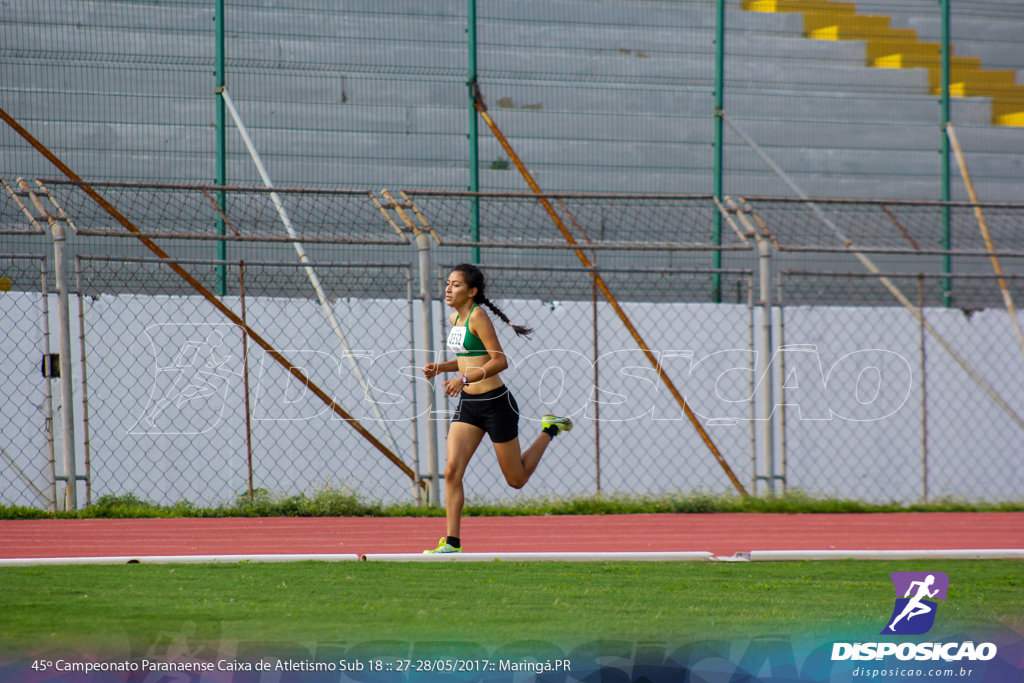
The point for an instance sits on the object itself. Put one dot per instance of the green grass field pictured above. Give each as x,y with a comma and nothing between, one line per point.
487,603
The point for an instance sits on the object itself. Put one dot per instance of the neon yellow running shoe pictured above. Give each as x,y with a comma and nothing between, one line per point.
562,424
443,547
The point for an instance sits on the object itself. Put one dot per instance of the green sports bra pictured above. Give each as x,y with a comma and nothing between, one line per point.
463,342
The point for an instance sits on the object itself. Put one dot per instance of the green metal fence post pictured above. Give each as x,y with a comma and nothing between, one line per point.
947,261
716,237
474,150
222,247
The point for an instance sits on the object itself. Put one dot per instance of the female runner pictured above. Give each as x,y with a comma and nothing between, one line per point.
486,405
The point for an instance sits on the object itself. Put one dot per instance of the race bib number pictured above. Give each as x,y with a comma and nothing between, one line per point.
457,339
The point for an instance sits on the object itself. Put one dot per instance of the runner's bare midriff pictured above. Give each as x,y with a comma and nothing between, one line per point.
474,386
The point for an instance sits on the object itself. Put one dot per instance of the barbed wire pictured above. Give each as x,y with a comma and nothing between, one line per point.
246,212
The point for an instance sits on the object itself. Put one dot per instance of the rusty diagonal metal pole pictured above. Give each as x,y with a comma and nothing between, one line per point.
482,109
214,301
983,226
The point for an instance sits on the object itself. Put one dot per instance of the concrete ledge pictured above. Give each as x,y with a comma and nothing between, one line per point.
692,556
542,557
173,559
947,554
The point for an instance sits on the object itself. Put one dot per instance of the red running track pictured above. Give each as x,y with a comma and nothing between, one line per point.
721,534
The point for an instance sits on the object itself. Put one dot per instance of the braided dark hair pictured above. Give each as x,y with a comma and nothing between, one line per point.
475,278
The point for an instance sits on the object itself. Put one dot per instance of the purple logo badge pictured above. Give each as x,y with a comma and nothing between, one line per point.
916,595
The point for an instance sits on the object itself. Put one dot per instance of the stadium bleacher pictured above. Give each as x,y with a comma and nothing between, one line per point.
612,96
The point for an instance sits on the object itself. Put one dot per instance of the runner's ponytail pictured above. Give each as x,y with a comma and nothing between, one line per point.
520,329
475,279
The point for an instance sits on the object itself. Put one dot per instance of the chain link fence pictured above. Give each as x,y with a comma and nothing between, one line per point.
184,406
27,403
202,379
908,421
631,434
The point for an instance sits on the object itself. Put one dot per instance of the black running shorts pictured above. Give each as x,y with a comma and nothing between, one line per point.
495,412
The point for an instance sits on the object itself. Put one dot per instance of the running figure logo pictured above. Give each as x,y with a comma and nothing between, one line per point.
914,612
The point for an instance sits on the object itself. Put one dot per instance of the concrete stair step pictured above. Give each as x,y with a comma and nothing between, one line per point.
899,48
993,54
650,40
109,79
822,6
689,121
159,79
964,27
662,14
828,26
285,99
354,43
62,17
1013,118
672,130
795,72
796,105
368,173
363,101
912,59
924,53
349,147
988,139
1009,106
992,81
576,85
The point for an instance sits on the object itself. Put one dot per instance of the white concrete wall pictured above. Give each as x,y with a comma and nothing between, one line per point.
167,418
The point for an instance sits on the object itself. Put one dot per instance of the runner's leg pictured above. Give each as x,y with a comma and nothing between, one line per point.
463,440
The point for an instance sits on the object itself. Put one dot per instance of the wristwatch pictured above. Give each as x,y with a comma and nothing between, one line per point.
465,380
